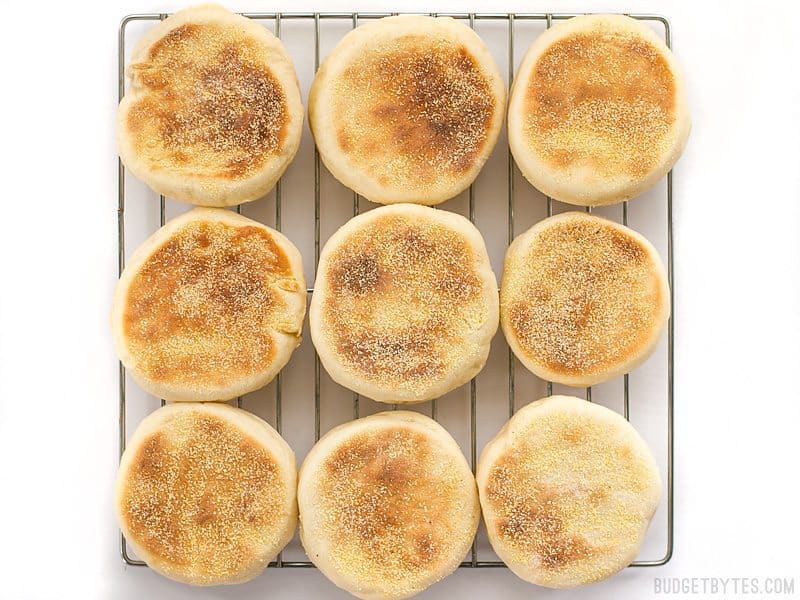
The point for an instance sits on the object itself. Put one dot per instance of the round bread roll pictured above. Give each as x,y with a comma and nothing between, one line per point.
407,109
568,489
210,307
206,493
213,114
405,304
582,299
598,110
388,505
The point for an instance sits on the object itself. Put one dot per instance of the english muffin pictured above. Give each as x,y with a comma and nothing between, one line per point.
407,109
598,110
405,303
388,505
210,307
582,299
568,489
206,493
213,114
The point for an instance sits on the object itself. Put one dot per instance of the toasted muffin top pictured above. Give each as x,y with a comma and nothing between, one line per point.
601,97
412,110
568,491
207,103
582,295
402,296
394,503
200,496
205,307
407,109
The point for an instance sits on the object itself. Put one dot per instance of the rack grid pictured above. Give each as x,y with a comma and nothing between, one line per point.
355,18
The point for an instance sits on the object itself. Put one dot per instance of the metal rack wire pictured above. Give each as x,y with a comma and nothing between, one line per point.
355,18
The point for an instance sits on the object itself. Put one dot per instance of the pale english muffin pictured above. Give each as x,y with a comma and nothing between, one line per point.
206,493
568,489
210,307
598,111
407,109
213,114
405,303
582,299
388,505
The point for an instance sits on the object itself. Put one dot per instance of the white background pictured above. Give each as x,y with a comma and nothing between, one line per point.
737,220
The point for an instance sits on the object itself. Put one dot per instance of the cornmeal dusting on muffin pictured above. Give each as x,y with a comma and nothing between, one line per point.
565,496
203,497
392,501
207,103
603,100
204,307
403,297
413,111
582,296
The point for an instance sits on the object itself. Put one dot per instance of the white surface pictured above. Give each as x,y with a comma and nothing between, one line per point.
737,219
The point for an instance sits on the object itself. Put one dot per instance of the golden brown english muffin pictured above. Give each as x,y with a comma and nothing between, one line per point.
206,493
210,307
388,505
213,114
407,109
597,112
582,299
568,489
405,303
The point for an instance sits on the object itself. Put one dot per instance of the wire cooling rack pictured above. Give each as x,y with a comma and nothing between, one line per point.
512,21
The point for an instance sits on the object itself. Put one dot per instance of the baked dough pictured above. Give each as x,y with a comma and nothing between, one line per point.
388,505
568,489
213,115
407,109
582,299
597,112
210,307
206,493
405,303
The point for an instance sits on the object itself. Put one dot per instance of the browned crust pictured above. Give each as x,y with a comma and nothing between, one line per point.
204,307
202,497
566,497
388,505
208,105
400,296
532,521
587,297
603,99
414,110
